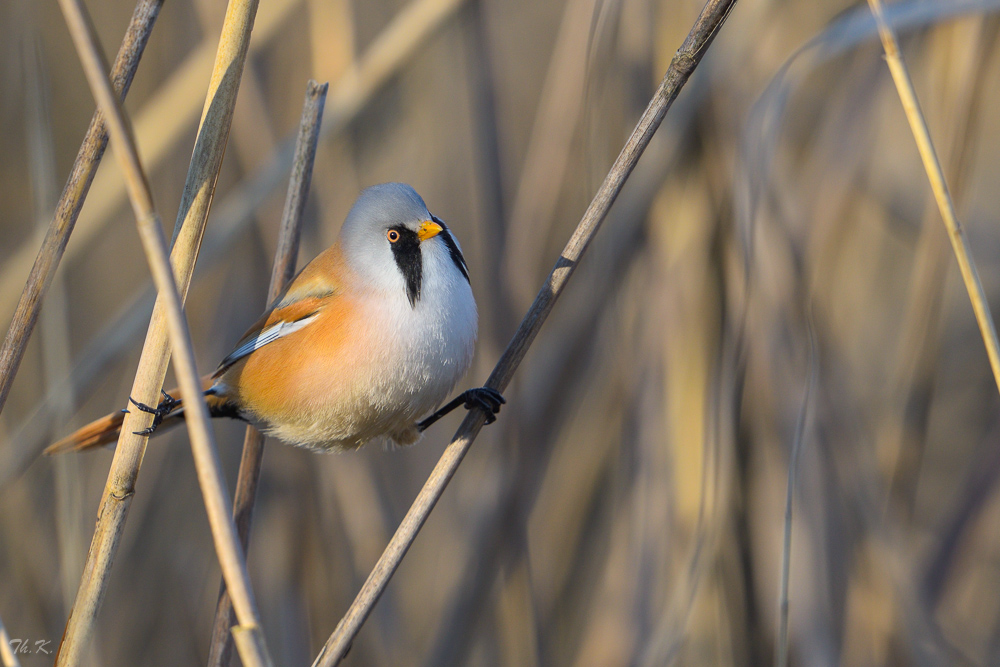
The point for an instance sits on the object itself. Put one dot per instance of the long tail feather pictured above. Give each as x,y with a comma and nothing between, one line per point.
106,429
94,434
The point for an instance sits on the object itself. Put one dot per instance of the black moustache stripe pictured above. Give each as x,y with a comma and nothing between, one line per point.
456,254
406,252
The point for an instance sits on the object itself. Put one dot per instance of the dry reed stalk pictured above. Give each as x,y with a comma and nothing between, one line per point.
332,51
961,81
195,202
196,415
392,48
489,172
71,201
959,242
252,134
536,429
6,653
159,126
331,37
496,532
683,64
282,272
53,327
781,657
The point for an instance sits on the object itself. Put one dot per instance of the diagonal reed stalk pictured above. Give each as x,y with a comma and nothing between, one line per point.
959,241
189,229
285,256
712,16
68,209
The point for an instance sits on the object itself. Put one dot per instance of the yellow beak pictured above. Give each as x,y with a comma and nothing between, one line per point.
428,230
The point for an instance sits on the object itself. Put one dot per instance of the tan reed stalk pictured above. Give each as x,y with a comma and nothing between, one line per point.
53,327
393,47
959,242
68,209
6,652
195,202
960,78
282,272
681,66
252,134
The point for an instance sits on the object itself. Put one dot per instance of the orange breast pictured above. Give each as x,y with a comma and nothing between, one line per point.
308,386
295,376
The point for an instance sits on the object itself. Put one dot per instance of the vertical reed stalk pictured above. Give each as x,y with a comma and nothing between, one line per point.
282,272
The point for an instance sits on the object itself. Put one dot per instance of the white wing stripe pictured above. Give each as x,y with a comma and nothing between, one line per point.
268,335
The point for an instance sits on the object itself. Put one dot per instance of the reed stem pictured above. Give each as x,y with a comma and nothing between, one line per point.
706,26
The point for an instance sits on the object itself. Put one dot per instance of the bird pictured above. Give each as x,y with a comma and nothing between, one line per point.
364,344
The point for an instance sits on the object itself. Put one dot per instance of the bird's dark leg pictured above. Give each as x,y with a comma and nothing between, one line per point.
487,399
227,410
165,407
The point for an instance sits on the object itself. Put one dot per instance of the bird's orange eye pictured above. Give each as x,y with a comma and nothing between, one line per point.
392,235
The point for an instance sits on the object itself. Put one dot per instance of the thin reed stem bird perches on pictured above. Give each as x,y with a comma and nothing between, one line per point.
683,64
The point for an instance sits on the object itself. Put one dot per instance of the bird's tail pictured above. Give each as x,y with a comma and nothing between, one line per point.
106,429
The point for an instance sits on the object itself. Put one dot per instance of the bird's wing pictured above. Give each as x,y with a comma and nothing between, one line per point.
300,303
276,324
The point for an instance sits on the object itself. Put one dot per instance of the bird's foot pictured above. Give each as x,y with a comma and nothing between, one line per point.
165,407
486,398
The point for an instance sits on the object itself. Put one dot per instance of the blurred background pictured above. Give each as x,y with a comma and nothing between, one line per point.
628,506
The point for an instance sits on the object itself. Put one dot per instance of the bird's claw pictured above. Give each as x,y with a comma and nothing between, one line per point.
165,407
487,399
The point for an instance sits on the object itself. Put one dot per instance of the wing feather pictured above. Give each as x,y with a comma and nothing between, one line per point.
272,333
308,293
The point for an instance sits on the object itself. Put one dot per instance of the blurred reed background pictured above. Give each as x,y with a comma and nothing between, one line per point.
627,508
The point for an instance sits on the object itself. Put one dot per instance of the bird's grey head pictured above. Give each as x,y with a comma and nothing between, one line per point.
386,237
